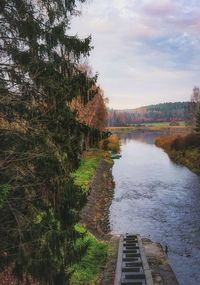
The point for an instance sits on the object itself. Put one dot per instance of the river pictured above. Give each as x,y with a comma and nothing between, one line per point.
158,199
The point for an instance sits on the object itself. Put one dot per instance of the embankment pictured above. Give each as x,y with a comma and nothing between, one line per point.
94,176
95,214
95,217
184,150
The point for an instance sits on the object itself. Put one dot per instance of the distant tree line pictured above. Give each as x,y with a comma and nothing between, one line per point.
178,111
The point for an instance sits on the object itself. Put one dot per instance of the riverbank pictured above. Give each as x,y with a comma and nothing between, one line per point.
94,176
94,216
184,150
152,128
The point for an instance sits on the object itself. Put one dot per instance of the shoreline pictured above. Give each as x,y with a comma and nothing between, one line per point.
95,217
95,214
187,155
170,129
188,158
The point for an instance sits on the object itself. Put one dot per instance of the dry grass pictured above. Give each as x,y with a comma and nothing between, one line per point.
165,142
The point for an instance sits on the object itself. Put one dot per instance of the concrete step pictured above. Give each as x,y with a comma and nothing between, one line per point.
132,267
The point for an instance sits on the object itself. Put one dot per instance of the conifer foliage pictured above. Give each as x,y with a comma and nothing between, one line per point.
41,139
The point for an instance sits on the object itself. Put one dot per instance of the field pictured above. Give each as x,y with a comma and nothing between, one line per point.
160,124
154,126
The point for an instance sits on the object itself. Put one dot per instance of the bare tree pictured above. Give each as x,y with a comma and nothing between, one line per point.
195,104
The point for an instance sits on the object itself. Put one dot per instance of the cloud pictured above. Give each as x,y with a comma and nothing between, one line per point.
144,51
164,7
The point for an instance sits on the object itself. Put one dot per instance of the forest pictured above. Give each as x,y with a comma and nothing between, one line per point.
51,111
165,112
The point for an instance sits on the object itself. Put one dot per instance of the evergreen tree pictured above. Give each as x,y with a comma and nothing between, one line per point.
40,137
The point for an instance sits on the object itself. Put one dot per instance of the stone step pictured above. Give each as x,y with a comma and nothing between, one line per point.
132,266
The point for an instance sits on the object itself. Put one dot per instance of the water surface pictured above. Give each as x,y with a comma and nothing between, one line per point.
158,198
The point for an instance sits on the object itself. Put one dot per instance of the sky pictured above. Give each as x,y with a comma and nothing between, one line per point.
145,51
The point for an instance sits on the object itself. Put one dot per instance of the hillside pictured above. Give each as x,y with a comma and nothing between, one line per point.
169,112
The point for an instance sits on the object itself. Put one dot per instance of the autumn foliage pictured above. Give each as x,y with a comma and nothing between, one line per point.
165,142
111,143
177,142
91,112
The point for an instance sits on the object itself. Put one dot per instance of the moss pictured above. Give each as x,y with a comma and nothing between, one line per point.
90,267
83,175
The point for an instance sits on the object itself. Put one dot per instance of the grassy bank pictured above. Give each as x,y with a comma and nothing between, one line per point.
89,269
89,162
182,149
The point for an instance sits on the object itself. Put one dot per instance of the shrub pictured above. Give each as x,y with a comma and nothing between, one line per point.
174,123
165,142
112,143
178,142
192,140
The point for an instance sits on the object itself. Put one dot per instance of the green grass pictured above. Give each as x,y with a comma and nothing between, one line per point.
88,270
90,266
83,175
121,129
157,124
161,124
149,126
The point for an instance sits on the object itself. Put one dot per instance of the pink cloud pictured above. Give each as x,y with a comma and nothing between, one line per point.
196,25
189,23
162,8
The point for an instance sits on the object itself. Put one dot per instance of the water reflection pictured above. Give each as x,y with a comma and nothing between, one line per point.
141,136
157,197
